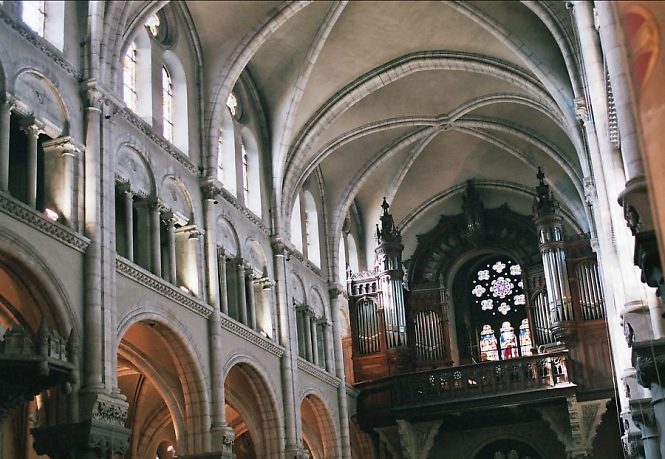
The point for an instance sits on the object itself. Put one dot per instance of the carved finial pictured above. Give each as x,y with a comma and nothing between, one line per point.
544,202
385,206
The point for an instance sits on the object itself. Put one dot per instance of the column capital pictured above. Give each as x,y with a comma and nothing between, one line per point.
31,126
279,246
63,146
648,358
209,189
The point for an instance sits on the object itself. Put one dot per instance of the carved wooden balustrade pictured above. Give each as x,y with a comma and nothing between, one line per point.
486,379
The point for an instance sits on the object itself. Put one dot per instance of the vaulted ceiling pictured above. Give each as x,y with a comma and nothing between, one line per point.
407,100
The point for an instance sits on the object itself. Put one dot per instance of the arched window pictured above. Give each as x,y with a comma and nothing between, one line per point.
250,171
245,172
129,77
167,105
34,15
353,253
499,308
296,225
341,261
46,19
311,230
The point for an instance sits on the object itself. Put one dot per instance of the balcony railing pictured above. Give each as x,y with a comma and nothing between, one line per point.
485,379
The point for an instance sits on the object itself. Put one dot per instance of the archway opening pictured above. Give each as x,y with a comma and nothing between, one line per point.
318,430
156,375
250,410
507,449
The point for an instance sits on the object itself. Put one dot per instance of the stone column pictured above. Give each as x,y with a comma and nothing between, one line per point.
223,282
59,182
5,115
307,319
156,243
339,367
251,298
69,154
618,67
32,131
221,434
170,232
129,219
242,291
328,346
315,340
649,361
643,416
289,361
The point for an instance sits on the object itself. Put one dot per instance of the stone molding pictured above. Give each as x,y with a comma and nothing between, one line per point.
229,198
317,372
250,335
36,220
41,44
148,279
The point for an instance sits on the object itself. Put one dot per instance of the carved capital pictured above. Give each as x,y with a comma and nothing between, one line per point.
648,358
279,246
209,190
60,441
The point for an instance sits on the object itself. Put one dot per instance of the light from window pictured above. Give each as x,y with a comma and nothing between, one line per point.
232,104
220,162
308,236
245,171
153,25
167,105
129,77
34,15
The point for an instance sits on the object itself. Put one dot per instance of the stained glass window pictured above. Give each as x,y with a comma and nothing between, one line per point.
488,349
525,338
508,342
129,77
497,293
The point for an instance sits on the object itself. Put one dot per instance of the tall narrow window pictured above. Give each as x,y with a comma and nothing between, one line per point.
167,105
220,158
245,172
129,77
34,15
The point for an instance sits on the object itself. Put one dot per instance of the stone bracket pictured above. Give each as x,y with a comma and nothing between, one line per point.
576,427
417,439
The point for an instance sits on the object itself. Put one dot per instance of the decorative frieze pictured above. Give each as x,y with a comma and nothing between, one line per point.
160,286
250,335
36,220
317,372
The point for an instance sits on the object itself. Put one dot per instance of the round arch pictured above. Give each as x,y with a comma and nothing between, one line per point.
248,393
318,428
153,346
